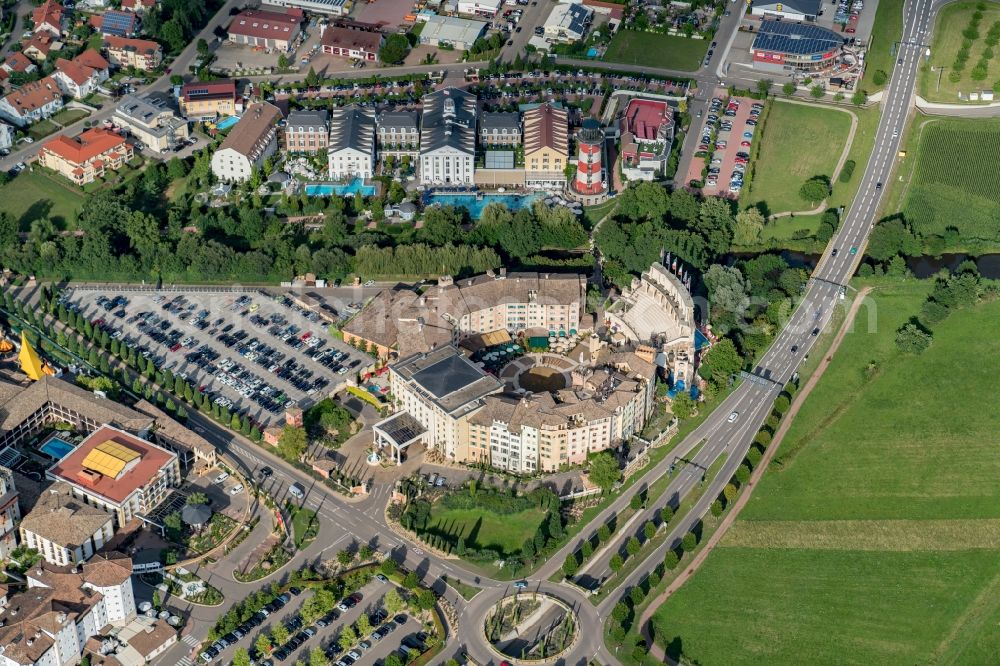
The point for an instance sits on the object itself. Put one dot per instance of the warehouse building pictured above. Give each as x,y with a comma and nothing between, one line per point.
458,32
796,10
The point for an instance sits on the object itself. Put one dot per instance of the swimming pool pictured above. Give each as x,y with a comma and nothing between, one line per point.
475,205
592,52
348,190
56,448
227,122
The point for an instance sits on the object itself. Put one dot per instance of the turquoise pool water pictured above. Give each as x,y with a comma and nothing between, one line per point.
591,52
475,205
348,190
56,448
227,122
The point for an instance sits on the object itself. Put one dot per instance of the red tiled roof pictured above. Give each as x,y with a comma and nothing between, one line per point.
360,40
152,460
265,24
42,41
125,43
74,71
34,95
137,4
643,118
85,147
18,62
48,12
208,90
93,59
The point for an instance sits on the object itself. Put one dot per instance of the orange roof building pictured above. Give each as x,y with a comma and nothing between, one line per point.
119,472
48,16
82,75
87,157
32,102
143,54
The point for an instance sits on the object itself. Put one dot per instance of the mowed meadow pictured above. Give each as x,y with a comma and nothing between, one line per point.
874,538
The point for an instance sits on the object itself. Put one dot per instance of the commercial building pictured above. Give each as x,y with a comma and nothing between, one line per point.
142,54
398,133
352,41
546,146
568,22
438,390
795,10
209,100
151,120
82,75
50,622
647,135
48,16
404,322
448,137
32,102
65,530
450,30
307,131
87,157
119,472
118,23
782,47
252,140
332,7
266,29
499,129
352,143
485,8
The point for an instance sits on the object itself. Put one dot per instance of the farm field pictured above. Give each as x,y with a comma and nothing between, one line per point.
954,172
949,38
797,143
888,28
484,529
36,195
655,50
879,548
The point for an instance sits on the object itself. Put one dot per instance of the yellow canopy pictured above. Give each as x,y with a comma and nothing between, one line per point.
31,364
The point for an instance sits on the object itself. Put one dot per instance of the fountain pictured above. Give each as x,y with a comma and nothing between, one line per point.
373,458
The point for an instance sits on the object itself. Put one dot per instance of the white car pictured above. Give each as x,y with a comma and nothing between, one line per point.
733,417
236,490
222,477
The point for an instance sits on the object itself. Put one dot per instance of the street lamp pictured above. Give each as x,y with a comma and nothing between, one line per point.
939,71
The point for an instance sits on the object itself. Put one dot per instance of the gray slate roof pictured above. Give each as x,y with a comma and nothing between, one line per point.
398,120
449,120
500,120
312,118
352,127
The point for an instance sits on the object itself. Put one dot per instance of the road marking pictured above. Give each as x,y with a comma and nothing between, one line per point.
191,640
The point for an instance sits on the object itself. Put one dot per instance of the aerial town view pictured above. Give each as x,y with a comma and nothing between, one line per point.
499,332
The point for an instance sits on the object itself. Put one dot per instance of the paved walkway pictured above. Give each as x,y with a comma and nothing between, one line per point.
644,620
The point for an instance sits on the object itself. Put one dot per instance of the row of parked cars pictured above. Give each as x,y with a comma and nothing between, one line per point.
254,621
722,139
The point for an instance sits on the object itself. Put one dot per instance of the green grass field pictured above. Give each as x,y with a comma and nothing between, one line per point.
655,50
954,172
35,195
42,129
905,454
798,142
887,29
951,21
70,116
483,529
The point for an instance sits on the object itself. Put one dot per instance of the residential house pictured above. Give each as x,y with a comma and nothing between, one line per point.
6,136
32,102
499,129
18,63
87,157
151,120
267,29
307,131
82,75
64,529
352,42
38,47
142,54
48,16
406,211
117,23
546,146
568,22
10,511
252,140
351,152
448,137
138,6
207,100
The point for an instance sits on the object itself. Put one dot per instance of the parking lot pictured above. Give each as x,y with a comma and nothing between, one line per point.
251,352
389,633
727,137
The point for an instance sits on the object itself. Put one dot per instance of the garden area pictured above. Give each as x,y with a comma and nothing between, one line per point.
304,525
951,172
37,195
652,49
329,424
797,143
891,536
966,44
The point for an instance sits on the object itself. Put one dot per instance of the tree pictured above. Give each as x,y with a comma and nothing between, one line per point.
859,98
317,657
620,612
363,625
911,339
263,644
279,634
570,565
410,581
890,238
425,599
716,508
635,503
788,89
632,546
292,443
815,189
749,225
682,405
393,660
348,637
392,602
729,296
689,542
345,557
721,361
616,562
241,657
764,86
603,533
394,50
671,560
817,92
388,566
197,498
649,530
604,470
